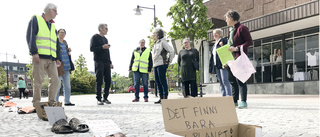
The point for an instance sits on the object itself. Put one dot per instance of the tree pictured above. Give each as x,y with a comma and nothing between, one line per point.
80,67
122,82
3,78
151,41
30,70
189,20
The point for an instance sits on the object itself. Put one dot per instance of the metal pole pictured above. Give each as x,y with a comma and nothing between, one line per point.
6,89
154,16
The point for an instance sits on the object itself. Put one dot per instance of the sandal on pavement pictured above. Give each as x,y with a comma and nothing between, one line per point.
77,126
61,127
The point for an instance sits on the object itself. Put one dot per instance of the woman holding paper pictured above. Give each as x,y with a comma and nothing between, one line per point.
216,65
239,35
188,60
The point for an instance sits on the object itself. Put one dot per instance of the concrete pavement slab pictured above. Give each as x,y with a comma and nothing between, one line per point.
279,115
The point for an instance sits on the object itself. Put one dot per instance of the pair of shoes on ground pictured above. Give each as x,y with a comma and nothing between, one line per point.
103,101
69,104
241,105
63,127
137,100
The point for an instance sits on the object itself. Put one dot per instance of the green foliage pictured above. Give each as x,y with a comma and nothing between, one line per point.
121,81
189,20
84,84
151,41
3,76
30,70
80,67
131,77
45,83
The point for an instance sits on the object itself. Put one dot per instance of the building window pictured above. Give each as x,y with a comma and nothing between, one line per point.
14,68
6,67
21,69
299,63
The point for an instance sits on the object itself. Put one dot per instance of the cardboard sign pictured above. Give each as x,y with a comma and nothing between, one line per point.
54,114
102,128
203,117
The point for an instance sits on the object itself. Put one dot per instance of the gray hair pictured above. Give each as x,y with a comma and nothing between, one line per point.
186,39
218,31
49,6
159,32
101,26
142,40
233,14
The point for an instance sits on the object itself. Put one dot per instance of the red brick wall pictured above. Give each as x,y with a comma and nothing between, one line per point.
248,9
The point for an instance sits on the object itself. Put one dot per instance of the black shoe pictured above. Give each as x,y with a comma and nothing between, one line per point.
106,101
158,102
99,103
69,104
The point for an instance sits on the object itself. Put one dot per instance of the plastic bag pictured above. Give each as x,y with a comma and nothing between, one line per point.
242,67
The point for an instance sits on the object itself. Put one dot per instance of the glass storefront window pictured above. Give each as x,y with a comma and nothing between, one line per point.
299,59
266,62
257,58
289,60
285,58
250,56
276,62
312,57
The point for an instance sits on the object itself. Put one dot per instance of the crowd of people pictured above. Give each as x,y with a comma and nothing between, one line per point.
51,55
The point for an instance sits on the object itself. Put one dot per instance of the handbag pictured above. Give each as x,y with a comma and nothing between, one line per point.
26,91
242,67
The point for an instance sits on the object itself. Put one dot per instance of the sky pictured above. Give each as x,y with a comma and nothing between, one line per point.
80,19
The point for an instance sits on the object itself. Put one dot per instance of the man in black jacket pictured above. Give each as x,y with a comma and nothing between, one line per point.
100,47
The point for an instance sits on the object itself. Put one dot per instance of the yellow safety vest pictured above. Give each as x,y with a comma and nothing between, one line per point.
142,61
46,40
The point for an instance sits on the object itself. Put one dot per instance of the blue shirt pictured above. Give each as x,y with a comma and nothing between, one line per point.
65,57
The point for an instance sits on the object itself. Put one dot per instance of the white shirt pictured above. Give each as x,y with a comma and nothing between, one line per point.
214,51
313,60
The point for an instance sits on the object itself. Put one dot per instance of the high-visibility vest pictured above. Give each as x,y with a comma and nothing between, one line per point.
46,40
142,61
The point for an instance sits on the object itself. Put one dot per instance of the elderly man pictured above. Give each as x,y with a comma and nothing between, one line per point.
44,48
141,66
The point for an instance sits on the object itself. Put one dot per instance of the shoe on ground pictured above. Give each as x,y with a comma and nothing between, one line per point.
145,99
107,101
135,100
243,104
158,102
69,104
236,104
99,103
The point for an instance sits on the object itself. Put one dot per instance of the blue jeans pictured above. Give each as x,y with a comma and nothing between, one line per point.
136,76
160,77
66,87
224,81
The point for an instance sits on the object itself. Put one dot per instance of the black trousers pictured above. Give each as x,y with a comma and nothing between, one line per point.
237,86
103,72
22,92
194,89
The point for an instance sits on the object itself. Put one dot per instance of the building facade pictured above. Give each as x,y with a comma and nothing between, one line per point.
290,27
15,70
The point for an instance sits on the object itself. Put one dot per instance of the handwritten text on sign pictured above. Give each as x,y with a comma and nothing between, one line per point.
178,113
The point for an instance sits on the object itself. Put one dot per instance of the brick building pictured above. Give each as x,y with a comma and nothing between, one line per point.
291,26
15,70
